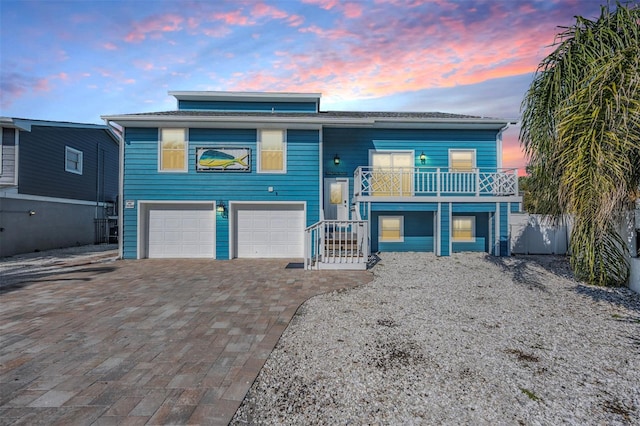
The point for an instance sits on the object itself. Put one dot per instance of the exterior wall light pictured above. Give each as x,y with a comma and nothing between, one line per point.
336,160
32,212
221,207
423,158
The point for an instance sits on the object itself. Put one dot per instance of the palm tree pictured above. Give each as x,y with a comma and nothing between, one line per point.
581,135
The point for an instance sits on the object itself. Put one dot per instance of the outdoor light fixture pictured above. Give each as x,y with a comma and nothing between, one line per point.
336,160
31,212
423,158
221,207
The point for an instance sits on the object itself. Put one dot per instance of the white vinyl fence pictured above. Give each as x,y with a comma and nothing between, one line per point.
532,234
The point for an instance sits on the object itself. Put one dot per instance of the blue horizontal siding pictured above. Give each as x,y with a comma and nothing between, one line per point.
417,225
423,244
352,145
478,245
41,168
504,229
473,207
445,229
228,106
144,182
222,237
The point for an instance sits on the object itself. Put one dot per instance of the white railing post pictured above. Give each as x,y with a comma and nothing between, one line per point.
438,181
515,176
477,182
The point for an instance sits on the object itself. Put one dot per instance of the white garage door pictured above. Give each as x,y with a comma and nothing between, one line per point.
270,231
182,231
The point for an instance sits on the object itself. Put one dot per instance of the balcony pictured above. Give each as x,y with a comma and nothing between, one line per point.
408,182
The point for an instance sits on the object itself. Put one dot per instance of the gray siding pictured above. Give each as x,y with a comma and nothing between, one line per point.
54,225
42,163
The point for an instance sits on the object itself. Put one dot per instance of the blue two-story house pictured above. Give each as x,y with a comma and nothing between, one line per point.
270,175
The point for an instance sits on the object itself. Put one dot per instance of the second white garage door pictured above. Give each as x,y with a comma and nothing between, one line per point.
271,231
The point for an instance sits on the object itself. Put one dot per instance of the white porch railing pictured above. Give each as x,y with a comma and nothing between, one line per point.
337,244
423,181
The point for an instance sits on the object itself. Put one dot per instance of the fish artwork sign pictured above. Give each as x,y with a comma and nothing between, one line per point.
223,159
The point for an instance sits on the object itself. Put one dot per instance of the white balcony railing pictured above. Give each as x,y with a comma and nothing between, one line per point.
422,181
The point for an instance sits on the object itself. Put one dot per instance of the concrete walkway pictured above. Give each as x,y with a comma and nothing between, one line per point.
144,342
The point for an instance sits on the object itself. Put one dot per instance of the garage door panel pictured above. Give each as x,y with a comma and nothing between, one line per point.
181,231
272,231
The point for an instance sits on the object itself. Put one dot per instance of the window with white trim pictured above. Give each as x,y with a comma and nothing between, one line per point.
390,229
462,160
272,151
463,229
72,160
173,150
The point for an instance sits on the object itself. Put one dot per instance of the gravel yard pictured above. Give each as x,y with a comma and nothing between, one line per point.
467,339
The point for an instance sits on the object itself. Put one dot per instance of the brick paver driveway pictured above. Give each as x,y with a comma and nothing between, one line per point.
146,342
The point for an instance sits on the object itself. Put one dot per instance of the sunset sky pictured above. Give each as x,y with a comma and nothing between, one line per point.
76,60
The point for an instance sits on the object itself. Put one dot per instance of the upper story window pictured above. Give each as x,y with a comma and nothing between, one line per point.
272,151
73,160
173,150
462,160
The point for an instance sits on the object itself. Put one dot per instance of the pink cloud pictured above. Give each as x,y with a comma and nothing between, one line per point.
261,10
323,4
295,20
154,25
109,46
217,32
233,18
42,85
352,10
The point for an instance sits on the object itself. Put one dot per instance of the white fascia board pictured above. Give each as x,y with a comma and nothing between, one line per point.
244,96
441,123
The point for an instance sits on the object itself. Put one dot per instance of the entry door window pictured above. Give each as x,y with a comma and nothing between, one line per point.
392,174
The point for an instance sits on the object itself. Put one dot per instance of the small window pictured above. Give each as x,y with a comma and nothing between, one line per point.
391,228
464,229
272,152
173,150
73,160
462,160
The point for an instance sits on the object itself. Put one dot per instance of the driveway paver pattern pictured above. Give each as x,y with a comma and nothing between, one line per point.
147,341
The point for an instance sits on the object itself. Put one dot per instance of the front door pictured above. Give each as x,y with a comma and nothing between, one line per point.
336,199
